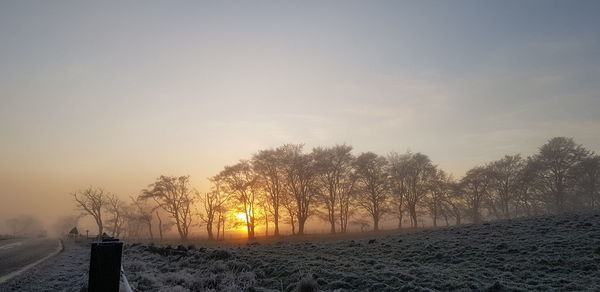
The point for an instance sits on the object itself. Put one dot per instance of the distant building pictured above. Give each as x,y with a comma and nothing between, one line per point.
74,233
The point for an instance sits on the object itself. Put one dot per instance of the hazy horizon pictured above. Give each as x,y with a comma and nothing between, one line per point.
115,95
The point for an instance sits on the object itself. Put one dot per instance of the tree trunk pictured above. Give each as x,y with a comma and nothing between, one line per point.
293,225
332,220
276,221
100,228
301,222
150,230
160,229
209,230
266,225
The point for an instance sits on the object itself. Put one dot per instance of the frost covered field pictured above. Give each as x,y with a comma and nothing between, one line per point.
546,253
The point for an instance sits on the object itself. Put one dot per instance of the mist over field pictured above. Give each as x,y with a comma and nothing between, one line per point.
409,137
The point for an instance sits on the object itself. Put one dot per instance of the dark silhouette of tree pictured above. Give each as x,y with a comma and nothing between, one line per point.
556,158
334,168
347,191
373,193
397,183
240,182
212,203
474,187
455,202
504,175
440,189
300,174
175,197
587,176
417,171
91,201
269,166
289,204
144,213
116,208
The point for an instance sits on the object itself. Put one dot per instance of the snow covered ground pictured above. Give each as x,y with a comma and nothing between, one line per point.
544,254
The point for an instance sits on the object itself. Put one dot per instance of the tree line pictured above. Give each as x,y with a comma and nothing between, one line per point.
287,185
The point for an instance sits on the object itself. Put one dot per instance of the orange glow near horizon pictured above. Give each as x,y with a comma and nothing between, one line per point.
241,220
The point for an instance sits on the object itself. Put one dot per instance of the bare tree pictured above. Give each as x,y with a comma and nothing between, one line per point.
290,206
163,227
474,187
398,188
504,175
556,158
240,182
417,171
91,201
334,168
174,196
587,175
455,202
440,189
346,198
115,207
372,185
144,213
300,175
212,203
269,166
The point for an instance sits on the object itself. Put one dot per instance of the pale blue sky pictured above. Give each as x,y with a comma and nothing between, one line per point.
117,93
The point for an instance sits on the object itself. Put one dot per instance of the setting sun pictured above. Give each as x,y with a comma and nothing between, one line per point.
240,219
241,216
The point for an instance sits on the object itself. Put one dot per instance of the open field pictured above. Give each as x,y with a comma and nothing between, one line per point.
545,253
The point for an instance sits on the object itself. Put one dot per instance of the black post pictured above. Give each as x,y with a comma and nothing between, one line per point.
105,266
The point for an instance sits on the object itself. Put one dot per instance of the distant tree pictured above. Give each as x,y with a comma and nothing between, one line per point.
475,190
373,193
211,204
300,175
504,181
240,182
265,212
417,171
587,180
269,166
556,159
289,205
348,190
398,187
455,202
144,213
91,201
163,226
116,208
440,189
363,224
334,171
175,197
25,225
529,189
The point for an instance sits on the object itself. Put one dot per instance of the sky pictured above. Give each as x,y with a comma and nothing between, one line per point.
117,93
